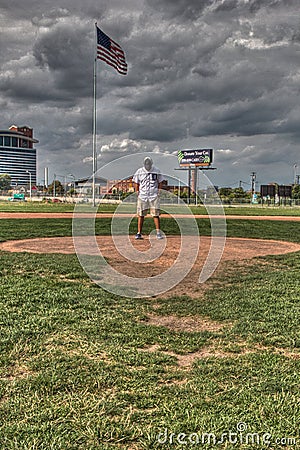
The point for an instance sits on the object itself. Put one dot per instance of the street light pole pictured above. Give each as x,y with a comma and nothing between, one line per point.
65,187
72,176
30,190
54,181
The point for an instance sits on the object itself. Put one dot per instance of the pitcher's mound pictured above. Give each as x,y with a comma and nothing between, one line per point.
235,249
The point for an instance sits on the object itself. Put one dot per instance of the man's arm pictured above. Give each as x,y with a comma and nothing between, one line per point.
161,181
136,182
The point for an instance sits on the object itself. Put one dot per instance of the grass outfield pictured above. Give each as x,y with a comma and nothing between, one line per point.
82,369
33,228
12,207
255,210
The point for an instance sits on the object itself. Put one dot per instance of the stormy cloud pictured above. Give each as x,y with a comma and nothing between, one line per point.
216,73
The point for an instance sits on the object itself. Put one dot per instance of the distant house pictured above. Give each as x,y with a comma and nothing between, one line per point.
84,186
123,186
119,186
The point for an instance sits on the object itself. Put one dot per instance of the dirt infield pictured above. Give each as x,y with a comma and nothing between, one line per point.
236,249
69,215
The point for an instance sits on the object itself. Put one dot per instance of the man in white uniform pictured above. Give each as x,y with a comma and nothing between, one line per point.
148,181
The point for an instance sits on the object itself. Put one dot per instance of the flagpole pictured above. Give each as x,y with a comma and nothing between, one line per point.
94,120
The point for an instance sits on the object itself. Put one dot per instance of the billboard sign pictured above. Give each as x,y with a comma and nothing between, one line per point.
267,190
195,158
285,191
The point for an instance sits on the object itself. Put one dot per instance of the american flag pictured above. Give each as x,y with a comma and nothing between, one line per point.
110,52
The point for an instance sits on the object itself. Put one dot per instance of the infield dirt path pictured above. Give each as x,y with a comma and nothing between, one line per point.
69,215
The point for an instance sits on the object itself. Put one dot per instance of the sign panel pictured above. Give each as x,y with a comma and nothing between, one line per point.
19,196
267,190
195,158
285,191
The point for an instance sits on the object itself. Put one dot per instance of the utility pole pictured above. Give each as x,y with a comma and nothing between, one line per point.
241,182
295,173
54,182
30,184
253,179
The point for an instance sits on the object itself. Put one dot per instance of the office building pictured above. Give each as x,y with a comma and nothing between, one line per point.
18,155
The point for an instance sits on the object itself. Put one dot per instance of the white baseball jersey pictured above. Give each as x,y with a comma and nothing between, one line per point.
148,182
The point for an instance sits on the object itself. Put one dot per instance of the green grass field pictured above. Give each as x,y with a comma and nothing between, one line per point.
33,228
83,369
254,210
35,207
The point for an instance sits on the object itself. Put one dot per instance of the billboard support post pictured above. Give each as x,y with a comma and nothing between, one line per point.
196,186
189,177
189,186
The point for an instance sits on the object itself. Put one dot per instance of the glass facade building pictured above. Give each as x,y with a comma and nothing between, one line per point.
18,155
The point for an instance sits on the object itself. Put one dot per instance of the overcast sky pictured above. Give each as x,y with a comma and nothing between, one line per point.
221,74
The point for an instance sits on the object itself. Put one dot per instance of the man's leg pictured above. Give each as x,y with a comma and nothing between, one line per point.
157,226
155,212
140,214
140,224
157,223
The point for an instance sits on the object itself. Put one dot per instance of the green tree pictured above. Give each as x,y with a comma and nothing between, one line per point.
296,191
59,190
5,181
239,193
72,192
225,192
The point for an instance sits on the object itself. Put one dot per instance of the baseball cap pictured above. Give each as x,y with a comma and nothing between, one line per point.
148,163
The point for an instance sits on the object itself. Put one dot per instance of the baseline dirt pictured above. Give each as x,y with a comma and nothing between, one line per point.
69,215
